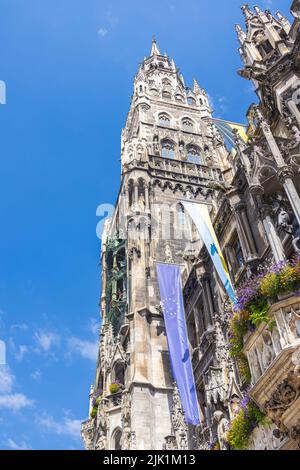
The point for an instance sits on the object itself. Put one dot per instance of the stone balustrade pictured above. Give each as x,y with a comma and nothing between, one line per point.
268,342
188,171
273,353
114,399
267,437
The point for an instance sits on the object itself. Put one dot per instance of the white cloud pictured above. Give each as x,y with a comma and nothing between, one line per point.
11,444
113,20
69,427
15,402
102,32
46,340
86,349
94,326
6,379
9,400
22,351
218,105
20,326
36,375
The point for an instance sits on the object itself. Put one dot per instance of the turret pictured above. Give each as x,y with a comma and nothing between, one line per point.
265,40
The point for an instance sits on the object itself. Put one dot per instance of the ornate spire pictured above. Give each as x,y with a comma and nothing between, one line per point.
196,87
247,12
282,19
154,48
241,34
257,9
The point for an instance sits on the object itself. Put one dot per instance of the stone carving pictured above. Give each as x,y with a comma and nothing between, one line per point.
296,362
295,433
222,429
267,437
178,421
285,394
156,146
170,443
284,221
88,432
168,254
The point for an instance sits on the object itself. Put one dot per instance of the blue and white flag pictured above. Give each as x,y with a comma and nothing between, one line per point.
170,286
200,215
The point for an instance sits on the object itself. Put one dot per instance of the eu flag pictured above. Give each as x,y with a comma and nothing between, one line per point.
170,286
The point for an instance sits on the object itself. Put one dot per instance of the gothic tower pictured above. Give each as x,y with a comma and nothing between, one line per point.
170,151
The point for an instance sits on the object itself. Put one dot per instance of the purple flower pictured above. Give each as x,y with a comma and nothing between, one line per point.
245,403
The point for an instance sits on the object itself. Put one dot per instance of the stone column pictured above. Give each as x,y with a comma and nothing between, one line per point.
265,213
285,175
273,238
244,231
136,194
114,282
147,205
126,194
284,172
207,298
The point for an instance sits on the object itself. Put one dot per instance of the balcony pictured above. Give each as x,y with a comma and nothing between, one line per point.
185,171
273,353
114,400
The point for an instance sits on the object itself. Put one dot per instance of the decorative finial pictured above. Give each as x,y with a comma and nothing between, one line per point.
241,34
154,48
196,87
247,12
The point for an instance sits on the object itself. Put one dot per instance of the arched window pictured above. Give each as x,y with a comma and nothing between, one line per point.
153,88
167,149
167,88
181,215
187,125
118,373
164,120
117,439
193,154
191,100
179,97
166,94
265,48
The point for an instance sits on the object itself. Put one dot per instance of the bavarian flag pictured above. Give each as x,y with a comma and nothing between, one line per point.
201,218
226,130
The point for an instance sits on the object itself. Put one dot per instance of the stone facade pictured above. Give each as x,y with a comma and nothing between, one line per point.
171,151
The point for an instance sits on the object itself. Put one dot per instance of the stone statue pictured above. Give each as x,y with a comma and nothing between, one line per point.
168,255
178,421
257,153
222,430
284,221
156,145
181,151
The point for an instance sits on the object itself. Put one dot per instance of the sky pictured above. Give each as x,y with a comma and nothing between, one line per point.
68,66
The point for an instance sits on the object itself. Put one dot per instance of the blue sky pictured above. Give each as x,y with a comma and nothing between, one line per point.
68,66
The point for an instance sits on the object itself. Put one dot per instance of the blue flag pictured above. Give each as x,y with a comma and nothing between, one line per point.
170,286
